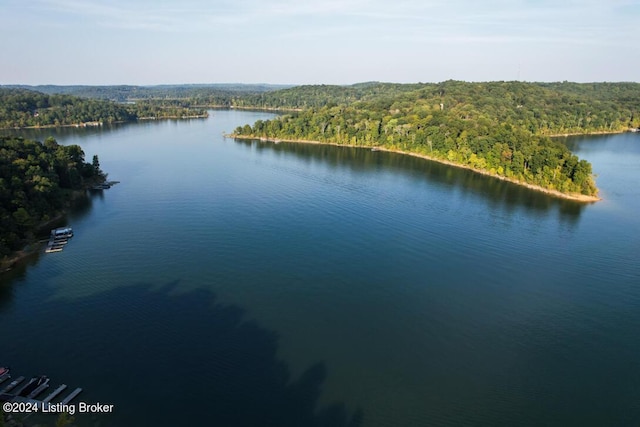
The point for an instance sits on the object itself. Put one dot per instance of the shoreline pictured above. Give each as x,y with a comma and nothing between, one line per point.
594,133
581,198
101,124
75,125
35,245
276,109
201,116
31,248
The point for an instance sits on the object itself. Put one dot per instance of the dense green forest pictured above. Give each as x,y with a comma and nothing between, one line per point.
37,181
545,108
501,128
25,108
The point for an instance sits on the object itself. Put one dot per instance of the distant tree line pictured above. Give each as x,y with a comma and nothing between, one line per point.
25,108
37,181
544,108
217,93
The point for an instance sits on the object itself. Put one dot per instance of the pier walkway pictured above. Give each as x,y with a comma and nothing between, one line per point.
22,391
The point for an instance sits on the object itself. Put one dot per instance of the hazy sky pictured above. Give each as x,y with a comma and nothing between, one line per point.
317,41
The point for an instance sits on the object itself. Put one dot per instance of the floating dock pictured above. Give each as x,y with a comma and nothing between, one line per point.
105,185
59,238
11,393
54,393
23,386
13,384
37,391
71,396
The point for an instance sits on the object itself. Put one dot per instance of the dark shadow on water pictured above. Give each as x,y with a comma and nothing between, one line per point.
497,193
13,277
82,206
171,360
6,285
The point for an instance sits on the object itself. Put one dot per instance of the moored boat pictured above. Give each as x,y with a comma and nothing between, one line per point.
62,232
101,187
33,384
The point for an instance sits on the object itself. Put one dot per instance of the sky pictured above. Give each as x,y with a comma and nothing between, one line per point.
148,42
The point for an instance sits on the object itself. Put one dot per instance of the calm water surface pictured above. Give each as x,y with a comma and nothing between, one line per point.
252,284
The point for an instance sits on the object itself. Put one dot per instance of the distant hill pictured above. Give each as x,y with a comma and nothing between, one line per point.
123,93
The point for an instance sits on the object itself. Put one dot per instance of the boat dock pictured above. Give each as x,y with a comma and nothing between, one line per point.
58,239
37,391
13,385
54,393
71,396
4,377
105,185
28,392
23,386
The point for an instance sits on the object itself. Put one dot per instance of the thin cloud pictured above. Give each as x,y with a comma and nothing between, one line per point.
581,19
135,16
197,33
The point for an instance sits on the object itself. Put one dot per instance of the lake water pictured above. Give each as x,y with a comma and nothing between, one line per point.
234,283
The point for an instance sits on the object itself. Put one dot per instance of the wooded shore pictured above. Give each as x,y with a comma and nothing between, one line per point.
568,196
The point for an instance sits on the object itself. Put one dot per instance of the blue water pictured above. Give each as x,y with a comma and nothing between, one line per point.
251,284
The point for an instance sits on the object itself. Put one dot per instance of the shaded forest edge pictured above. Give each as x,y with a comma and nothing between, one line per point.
38,183
568,196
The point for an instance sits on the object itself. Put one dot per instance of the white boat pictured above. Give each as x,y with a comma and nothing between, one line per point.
65,232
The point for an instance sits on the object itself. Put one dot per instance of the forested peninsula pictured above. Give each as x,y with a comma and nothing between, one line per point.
500,129
38,181
22,108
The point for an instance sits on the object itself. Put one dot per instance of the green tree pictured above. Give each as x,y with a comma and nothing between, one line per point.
65,420
96,163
